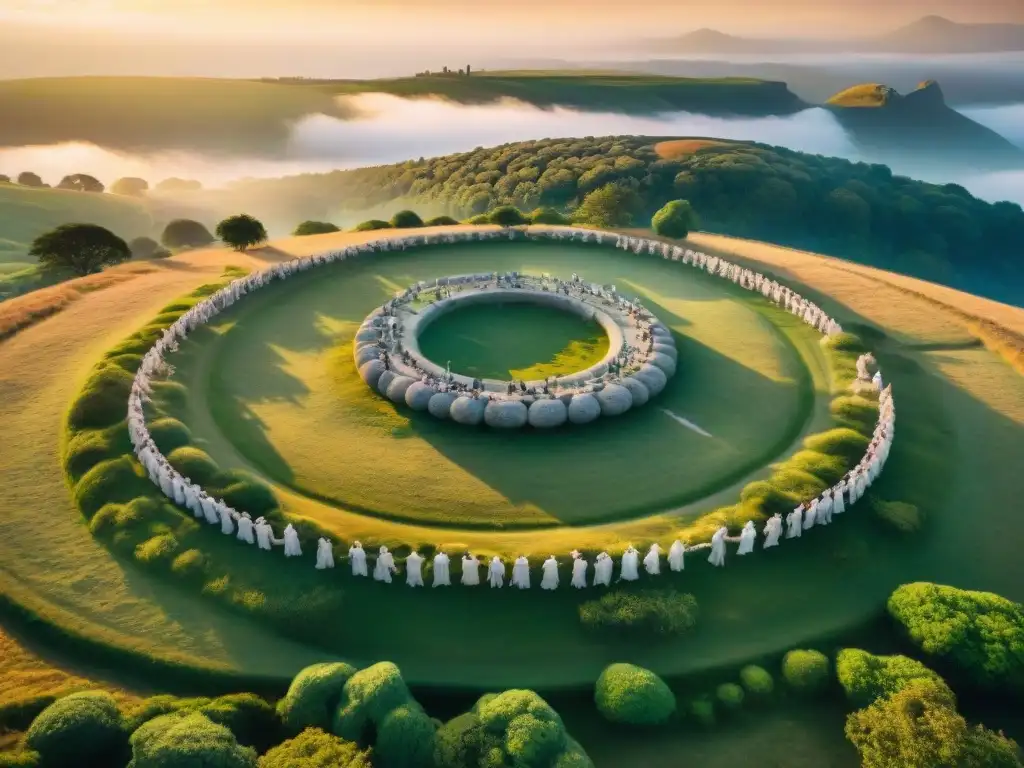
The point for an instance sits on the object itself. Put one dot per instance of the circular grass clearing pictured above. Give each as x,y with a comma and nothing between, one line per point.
513,341
276,375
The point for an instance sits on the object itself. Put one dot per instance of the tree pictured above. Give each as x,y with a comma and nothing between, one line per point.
80,248
241,231
29,179
81,182
507,216
174,184
610,206
674,220
406,220
147,248
314,228
5,179
130,185
185,233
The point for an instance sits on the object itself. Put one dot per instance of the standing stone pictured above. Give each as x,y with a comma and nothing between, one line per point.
583,409
547,414
614,400
371,372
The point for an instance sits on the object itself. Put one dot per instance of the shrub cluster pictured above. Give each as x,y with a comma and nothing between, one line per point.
80,728
653,611
633,695
806,672
866,677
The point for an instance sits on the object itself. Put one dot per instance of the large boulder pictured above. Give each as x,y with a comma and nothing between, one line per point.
583,409
367,333
468,410
614,400
418,395
637,389
659,331
385,381
663,361
547,414
440,405
653,378
505,414
666,349
365,354
398,387
371,372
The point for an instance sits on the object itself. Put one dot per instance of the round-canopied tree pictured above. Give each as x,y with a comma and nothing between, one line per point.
611,206
147,248
441,221
29,179
185,233
81,248
314,228
241,231
406,220
507,216
130,185
676,219
81,182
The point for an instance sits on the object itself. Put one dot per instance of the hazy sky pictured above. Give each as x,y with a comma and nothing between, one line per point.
448,19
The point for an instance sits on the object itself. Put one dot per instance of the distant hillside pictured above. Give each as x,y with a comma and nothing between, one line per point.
931,34
862,212
893,127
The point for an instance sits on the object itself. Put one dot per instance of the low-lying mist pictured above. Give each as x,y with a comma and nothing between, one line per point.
391,129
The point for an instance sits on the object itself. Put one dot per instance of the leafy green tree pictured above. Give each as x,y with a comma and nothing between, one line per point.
610,207
676,219
4,178
632,695
441,221
147,248
80,248
130,185
315,749
81,182
241,232
315,228
371,225
29,179
185,233
406,220
507,216
866,677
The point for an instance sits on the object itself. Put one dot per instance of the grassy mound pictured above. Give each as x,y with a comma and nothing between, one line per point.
806,672
632,695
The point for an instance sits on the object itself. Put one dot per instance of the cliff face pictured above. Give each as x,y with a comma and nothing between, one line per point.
920,126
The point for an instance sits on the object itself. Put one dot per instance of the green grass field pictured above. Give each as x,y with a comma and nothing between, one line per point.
959,444
514,341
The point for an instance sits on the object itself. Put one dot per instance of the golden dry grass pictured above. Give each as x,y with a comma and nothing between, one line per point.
863,95
679,148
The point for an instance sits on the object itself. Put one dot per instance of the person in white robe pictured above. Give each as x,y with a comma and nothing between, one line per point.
838,503
549,580
178,489
384,566
579,570
324,554
748,536
227,520
210,510
414,569
810,514
876,380
245,529
825,508
629,570
521,573
772,531
496,573
717,556
264,534
442,578
652,560
603,567
291,542
357,559
470,570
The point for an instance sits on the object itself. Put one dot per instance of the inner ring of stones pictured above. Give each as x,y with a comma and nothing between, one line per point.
634,369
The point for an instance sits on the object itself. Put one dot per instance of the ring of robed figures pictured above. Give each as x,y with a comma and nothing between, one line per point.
641,354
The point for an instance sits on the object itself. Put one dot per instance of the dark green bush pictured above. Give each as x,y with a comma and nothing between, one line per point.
676,220
371,224
406,220
458,743
169,394
633,695
250,718
702,710
805,671
187,740
169,434
479,220
367,697
507,216
190,564
979,634
866,677
901,516
549,216
757,682
129,363
158,549
405,738
78,729
315,749
441,221
659,611
857,413
828,469
86,449
730,696
842,442
252,496
313,696
767,498
530,740
155,706
314,228
103,400
114,517
195,464
797,483
112,481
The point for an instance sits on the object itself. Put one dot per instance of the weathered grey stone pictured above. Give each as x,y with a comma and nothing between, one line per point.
468,410
385,381
667,349
663,361
367,334
653,378
441,405
365,354
583,409
597,371
637,389
660,331
614,400
546,414
371,372
418,395
505,414
398,387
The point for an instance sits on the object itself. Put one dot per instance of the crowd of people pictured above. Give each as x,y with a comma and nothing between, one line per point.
810,513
